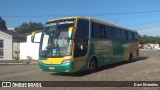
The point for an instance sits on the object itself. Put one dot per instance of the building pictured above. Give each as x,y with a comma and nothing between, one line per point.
149,46
29,49
10,44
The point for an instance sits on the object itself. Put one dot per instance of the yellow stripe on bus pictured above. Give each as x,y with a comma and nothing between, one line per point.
56,60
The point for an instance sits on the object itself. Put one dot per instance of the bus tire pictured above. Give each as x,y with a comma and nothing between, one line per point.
130,58
93,65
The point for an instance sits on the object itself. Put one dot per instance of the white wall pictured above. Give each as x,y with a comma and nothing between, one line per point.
7,44
30,49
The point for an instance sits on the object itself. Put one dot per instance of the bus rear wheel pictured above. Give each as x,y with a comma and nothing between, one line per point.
92,65
130,57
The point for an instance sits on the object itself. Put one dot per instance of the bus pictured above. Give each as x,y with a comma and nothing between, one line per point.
75,44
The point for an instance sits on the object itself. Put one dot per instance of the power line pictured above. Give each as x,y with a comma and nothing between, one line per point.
109,14
117,21
120,19
125,13
141,24
147,28
32,16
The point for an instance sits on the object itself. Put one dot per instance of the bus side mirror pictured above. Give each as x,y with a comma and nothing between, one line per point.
71,31
35,37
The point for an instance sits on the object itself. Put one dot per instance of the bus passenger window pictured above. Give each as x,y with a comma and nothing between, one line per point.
123,34
116,33
108,32
129,34
135,36
83,29
95,31
102,32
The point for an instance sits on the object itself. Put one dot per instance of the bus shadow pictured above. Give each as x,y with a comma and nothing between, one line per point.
121,63
83,73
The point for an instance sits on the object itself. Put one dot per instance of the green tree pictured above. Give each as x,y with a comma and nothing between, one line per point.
144,39
2,24
29,27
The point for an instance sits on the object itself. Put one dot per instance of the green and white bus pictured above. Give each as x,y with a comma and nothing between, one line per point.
74,44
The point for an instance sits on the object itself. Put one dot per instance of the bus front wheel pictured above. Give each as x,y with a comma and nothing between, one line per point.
92,65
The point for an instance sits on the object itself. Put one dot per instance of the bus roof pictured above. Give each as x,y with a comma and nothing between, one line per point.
94,20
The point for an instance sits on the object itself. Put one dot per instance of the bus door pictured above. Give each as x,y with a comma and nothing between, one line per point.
81,44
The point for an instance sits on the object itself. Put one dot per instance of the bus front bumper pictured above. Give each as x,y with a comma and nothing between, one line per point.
67,67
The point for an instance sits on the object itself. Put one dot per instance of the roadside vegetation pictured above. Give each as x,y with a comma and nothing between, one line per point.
144,39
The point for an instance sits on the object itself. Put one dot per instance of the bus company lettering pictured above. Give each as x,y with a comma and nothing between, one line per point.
65,22
60,23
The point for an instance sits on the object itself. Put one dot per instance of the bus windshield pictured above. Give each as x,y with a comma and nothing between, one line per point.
54,39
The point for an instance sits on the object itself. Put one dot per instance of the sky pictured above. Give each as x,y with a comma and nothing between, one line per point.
140,15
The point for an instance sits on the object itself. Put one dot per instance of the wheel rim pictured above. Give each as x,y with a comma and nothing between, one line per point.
130,57
92,65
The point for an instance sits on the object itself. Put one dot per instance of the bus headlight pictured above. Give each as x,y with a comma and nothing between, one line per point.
65,61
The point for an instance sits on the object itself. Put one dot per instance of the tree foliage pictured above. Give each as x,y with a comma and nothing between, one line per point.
144,39
2,24
29,27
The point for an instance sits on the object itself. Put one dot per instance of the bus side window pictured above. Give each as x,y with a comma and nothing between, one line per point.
108,32
129,35
123,35
102,32
133,36
95,31
120,36
116,33
82,30
136,36
126,35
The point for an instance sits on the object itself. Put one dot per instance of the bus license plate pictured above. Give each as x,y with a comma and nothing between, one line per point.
52,68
